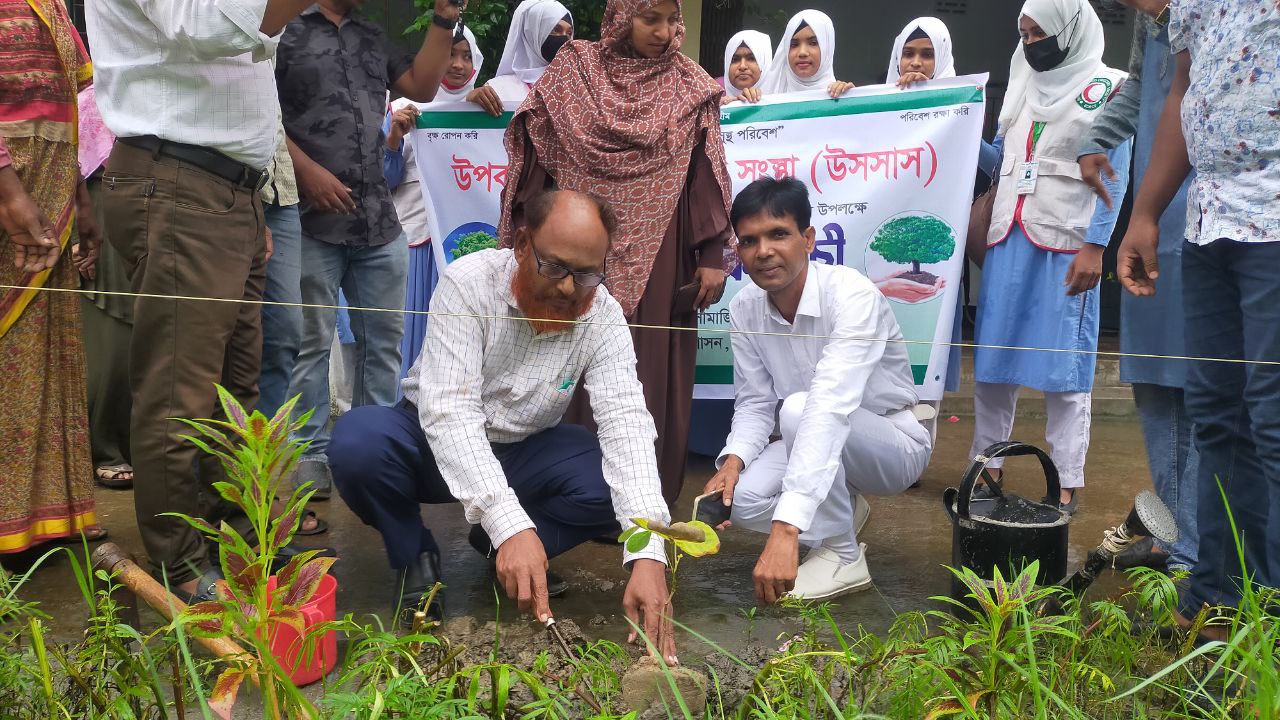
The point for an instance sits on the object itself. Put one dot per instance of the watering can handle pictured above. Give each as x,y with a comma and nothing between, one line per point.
1002,450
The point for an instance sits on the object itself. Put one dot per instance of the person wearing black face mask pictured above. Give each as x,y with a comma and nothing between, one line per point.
554,42
539,29
1047,235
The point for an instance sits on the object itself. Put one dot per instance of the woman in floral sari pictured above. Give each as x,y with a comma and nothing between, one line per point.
45,468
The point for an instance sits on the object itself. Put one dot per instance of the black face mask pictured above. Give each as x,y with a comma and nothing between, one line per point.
1044,55
552,45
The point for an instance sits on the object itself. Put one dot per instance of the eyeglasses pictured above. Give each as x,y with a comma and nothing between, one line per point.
555,271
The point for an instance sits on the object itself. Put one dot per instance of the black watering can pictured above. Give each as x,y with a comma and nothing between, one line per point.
1012,531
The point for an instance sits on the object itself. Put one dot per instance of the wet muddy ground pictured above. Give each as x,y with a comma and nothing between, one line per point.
908,539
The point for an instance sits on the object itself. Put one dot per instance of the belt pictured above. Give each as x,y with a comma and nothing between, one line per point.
210,161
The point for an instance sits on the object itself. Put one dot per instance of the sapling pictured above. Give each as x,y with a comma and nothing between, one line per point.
694,539
258,454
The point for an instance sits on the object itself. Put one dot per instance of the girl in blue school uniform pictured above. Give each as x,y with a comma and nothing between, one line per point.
1047,236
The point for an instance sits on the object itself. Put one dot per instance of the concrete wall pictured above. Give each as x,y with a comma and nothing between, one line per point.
693,28
984,35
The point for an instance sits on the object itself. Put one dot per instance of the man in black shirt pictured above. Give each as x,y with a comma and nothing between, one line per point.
334,70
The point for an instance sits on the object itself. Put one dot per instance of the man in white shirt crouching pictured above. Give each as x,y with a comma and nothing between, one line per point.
840,392
512,332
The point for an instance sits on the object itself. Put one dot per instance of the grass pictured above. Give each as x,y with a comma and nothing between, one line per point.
1100,660
1001,654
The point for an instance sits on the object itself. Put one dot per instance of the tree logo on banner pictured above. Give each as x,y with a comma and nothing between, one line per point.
1095,93
914,239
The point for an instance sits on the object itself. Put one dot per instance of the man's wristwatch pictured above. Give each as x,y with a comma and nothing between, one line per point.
438,21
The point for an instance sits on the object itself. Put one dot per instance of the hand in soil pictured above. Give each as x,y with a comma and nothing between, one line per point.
775,573
647,605
522,570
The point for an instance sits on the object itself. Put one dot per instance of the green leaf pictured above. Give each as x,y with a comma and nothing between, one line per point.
709,544
289,573
232,407
307,582
223,697
628,533
639,541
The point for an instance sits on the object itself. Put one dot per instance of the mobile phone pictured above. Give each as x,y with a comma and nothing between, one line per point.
710,508
686,297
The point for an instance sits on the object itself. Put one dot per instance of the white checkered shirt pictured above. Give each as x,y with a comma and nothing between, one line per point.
187,72
482,380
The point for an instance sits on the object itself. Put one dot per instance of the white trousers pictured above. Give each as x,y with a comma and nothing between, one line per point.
1067,431
883,456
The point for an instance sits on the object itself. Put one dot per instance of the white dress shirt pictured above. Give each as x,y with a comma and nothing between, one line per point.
187,71
850,362
484,377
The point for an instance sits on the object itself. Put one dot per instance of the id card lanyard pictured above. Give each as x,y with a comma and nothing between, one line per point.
1029,170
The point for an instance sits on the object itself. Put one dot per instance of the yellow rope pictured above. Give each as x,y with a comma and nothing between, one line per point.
637,326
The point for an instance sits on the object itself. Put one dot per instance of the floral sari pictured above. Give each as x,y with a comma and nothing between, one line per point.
45,467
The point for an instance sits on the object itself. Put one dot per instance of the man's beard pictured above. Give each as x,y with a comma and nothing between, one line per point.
543,316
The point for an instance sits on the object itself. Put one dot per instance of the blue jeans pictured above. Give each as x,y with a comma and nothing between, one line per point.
384,470
1174,463
281,325
372,277
1230,293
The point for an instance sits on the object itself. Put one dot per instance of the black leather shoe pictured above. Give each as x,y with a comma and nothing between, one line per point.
412,586
479,539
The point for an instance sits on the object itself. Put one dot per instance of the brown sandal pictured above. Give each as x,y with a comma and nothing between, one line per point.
113,477
94,534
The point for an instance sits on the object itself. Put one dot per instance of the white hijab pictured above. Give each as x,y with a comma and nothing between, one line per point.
1045,95
477,58
944,64
759,44
781,78
532,22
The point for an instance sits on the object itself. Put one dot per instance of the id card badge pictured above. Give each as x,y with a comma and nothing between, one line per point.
1028,173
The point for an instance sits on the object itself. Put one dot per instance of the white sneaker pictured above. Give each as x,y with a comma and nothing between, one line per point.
861,513
822,575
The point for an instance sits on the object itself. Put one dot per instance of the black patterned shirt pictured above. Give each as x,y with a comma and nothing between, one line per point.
333,82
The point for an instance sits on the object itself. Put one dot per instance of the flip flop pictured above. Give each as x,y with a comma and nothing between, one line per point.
321,527
109,476
91,535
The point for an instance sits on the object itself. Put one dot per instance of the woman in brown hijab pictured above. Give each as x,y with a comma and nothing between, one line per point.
631,119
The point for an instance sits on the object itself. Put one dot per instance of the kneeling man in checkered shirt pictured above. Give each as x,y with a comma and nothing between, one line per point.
480,422
818,356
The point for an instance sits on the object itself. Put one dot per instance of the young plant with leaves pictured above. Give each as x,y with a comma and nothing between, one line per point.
258,455
694,539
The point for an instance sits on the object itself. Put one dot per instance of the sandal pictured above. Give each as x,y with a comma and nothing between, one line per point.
113,477
321,526
93,534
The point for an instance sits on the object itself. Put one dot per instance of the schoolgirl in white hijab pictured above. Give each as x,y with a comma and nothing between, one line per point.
805,62
1064,61
458,82
1047,237
922,51
760,49
531,46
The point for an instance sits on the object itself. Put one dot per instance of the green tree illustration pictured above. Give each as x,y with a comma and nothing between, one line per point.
474,242
915,239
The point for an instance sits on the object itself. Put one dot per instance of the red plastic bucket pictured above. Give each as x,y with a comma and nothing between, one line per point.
287,644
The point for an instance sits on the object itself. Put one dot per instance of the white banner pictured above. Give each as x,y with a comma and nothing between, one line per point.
890,174
463,164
